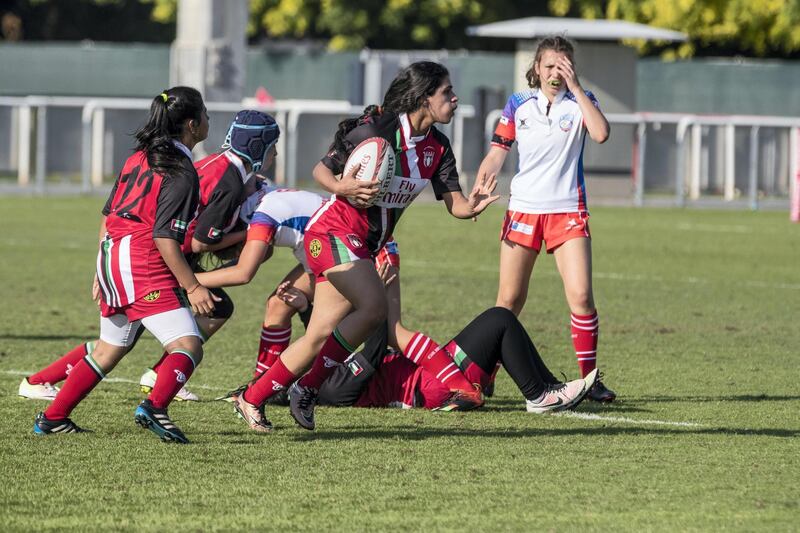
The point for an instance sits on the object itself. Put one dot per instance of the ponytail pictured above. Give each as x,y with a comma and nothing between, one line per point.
168,113
349,124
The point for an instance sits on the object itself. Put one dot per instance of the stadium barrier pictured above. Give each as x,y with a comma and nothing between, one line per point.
692,172
768,151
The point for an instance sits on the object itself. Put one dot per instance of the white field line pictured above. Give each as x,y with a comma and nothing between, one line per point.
617,276
111,380
625,420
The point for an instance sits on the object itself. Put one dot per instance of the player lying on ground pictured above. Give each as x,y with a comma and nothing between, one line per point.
226,180
379,376
143,278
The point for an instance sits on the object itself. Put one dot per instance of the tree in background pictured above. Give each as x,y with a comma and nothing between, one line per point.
760,28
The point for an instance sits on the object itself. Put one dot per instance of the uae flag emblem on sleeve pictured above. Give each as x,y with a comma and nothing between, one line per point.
178,225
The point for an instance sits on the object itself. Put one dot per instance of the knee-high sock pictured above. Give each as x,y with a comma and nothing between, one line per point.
423,351
585,331
59,369
83,377
173,373
274,380
274,340
333,353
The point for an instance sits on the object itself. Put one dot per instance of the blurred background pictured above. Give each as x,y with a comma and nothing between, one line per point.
701,95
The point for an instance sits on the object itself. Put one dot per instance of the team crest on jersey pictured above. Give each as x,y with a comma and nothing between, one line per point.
152,296
178,225
214,233
427,156
315,248
355,242
565,122
523,124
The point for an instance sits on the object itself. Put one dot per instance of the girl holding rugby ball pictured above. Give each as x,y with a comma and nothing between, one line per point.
548,194
342,238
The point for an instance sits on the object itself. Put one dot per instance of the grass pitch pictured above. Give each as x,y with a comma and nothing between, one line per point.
698,314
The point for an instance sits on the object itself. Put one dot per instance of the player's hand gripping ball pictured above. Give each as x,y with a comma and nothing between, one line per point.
376,159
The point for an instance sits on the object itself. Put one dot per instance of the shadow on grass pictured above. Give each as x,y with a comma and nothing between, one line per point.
724,398
39,337
502,405
413,433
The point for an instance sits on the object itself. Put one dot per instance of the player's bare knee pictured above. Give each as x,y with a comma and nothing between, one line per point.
581,302
190,345
279,312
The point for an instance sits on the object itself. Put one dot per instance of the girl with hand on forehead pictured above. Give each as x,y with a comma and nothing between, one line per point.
548,205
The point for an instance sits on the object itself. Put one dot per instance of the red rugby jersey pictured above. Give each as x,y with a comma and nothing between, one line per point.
143,205
221,196
418,161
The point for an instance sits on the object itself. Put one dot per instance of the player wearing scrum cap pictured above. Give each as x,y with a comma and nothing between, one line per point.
548,193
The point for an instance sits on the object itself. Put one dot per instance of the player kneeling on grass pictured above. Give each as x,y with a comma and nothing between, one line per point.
143,277
379,376
226,180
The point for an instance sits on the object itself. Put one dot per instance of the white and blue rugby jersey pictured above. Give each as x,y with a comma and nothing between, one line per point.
550,140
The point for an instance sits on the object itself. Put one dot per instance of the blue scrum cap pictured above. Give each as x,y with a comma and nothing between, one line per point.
251,135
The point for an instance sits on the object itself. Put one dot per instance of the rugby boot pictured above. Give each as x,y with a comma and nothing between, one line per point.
44,426
600,393
158,421
562,396
252,414
43,391
302,401
461,400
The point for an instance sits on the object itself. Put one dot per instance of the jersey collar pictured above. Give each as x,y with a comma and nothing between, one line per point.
183,148
405,126
237,162
542,101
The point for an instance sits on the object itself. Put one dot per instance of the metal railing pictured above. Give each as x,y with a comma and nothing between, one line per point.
689,129
30,115
93,110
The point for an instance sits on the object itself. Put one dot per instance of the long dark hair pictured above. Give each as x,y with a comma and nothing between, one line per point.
555,43
405,94
168,113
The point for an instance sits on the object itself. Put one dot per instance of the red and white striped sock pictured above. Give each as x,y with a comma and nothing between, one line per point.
274,340
58,370
81,380
585,331
424,352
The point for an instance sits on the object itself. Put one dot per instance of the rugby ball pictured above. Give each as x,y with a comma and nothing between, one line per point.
376,159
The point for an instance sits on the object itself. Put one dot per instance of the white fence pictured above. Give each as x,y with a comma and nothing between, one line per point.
702,154
29,133
691,167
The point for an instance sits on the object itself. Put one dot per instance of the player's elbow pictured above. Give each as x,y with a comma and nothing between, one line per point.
601,135
199,247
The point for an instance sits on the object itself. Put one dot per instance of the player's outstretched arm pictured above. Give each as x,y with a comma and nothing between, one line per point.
479,198
253,254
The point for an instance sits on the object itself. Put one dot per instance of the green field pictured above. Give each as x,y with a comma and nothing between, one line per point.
700,339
